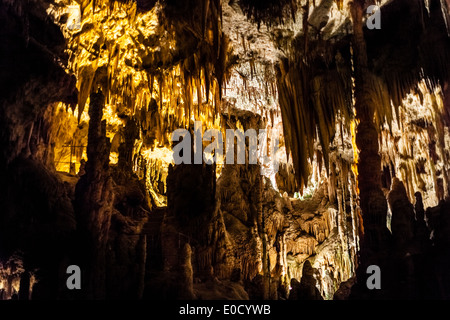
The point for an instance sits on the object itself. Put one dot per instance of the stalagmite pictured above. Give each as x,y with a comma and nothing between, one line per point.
94,199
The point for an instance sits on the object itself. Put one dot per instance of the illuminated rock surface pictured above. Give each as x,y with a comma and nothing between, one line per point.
87,176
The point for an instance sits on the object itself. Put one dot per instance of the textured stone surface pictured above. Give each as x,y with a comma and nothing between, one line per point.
99,103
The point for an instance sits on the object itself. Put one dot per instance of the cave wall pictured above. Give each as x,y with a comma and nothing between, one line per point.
36,207
100,102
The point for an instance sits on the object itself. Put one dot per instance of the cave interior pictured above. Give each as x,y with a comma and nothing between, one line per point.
349,109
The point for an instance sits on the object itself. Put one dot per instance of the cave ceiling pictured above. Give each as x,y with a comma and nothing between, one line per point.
247,55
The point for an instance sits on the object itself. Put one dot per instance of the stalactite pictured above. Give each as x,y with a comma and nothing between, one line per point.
315,98
268,12
302,115
411,149
355,226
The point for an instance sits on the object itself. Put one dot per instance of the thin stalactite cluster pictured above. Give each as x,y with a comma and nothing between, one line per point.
315,79
179,60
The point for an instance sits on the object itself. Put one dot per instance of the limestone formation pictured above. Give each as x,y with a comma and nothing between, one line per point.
92,91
